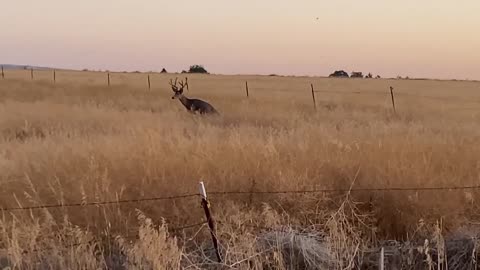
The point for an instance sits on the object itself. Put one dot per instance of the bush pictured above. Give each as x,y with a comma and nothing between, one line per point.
197,69
339,74
356,75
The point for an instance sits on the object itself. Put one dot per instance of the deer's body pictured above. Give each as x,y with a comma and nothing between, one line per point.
192,105
197,105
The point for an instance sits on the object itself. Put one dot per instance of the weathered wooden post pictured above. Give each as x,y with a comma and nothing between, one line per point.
210,220
31,73
108,78
313,98
186,83
54,76
148,79
393,99
3,74
246,87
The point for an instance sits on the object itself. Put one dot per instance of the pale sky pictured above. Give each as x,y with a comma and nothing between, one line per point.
416,38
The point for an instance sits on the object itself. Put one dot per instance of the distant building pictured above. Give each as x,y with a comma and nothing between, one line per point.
163,70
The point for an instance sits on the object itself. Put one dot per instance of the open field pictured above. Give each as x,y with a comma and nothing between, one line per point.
79,140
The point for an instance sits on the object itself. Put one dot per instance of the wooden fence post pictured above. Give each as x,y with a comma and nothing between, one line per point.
211,222
246,87
186,83
381,261
108,78
3,74
148,78
31,73
393,99
54,76
313,98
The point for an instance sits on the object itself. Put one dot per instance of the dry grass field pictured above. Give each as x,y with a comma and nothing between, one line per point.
79,140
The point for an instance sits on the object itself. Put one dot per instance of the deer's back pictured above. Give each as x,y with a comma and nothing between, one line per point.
202,106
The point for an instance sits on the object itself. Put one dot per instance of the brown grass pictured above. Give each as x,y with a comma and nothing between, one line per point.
81,141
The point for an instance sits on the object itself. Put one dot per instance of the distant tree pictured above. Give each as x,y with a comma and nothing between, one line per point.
163,70
197,69
356,75
378,77
184,71
369,76
339,74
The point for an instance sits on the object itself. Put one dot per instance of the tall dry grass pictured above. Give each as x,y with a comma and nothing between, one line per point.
81,141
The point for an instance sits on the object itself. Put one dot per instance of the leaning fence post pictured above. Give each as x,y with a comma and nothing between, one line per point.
246,87
148,79
393,99
211,222
108,78
31,73
186,83
313,98
381,261
3,74
54,76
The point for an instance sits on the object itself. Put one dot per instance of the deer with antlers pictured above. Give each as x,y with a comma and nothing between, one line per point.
192,105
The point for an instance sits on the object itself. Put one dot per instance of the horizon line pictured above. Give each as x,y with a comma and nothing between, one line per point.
39,67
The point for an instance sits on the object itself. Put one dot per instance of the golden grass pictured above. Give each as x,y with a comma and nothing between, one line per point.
81,141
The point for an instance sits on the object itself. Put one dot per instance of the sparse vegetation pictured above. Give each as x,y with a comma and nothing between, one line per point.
339,74
356,74
81,141
197,69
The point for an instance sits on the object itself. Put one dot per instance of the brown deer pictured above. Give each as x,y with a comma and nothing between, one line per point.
192,105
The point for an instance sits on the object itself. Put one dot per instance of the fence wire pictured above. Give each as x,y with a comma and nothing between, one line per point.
222,193
83,204
344,190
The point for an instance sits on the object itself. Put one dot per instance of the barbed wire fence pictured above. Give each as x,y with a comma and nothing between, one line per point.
248,87
206,203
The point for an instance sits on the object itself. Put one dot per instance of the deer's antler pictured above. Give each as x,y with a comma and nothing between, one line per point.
182,85
174,85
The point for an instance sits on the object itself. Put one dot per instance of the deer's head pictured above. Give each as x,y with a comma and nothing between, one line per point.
178,90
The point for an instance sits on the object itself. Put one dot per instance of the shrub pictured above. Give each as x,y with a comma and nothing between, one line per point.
197,69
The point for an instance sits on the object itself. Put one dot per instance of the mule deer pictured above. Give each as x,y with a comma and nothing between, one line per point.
192,105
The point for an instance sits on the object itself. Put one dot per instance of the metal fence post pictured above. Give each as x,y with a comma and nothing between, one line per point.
381,261
210,220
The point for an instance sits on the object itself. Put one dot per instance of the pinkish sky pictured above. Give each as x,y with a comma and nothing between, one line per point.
427,38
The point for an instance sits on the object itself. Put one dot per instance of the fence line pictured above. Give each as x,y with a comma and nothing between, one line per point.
100,203
400,94
442,98
220,193
209,218
344,190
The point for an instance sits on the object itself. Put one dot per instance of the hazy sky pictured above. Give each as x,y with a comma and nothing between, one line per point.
417,38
